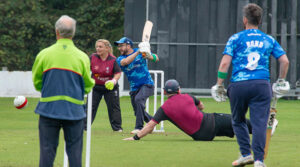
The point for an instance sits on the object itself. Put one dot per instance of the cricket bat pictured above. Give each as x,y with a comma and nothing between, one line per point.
147,33
271,119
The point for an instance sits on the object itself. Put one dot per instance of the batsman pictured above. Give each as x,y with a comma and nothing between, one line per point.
249,51
134,65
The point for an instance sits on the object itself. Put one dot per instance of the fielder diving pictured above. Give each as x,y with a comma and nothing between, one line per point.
185,112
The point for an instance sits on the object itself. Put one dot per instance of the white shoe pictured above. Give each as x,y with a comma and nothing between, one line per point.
259,164
275,123
242,161
135,131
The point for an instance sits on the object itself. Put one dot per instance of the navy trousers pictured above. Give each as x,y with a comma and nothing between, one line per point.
255,95
49,136
138,101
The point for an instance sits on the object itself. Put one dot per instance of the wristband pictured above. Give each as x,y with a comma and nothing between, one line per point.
135,137
222,75
154,57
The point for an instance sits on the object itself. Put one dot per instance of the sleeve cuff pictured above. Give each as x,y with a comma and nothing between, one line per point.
155,121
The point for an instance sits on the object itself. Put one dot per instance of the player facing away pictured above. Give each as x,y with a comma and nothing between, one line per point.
185,111
249,51
134,65
61,73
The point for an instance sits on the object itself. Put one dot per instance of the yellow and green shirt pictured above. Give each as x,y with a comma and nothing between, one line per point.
62,74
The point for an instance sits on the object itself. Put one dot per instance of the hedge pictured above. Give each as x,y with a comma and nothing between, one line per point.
27,26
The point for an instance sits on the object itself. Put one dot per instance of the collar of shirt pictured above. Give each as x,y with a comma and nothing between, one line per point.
108,57
65,41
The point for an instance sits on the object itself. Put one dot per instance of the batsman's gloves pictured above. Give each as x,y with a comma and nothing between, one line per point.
144,48
110,84
281,87
218,92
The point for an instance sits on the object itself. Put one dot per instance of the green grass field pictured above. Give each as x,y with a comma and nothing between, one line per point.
19,144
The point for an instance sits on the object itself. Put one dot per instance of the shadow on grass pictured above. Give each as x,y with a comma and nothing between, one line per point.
186,140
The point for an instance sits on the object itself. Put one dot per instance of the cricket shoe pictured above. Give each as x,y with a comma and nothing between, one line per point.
274,126
120,130
259,164
135,131
242,161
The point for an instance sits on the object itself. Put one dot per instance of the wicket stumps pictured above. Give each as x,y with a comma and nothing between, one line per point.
156,73
88,134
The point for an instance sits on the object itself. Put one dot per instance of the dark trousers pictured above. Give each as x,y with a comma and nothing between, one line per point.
49,136
112,100
138,101
223,125
255,94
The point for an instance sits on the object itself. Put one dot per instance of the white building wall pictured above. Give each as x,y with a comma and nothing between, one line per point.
16,83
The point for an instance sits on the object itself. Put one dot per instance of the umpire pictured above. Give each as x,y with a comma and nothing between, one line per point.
185,111
62,73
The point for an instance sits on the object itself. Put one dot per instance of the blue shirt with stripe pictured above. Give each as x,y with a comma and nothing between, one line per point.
62,73
250,50
137,71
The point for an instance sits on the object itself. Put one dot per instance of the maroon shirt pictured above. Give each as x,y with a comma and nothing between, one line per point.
181,109
103,71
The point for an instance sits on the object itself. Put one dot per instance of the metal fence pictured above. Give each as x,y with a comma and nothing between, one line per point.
189,35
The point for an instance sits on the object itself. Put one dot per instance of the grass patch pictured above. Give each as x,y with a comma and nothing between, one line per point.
19,144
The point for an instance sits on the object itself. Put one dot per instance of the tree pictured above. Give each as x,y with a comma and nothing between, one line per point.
28,26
